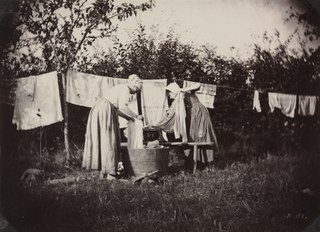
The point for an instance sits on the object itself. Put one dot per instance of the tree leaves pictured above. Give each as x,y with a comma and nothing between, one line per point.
59,22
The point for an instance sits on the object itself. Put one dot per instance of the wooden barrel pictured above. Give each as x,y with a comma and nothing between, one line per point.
138,162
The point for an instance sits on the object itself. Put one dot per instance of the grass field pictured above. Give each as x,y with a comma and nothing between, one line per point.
272,193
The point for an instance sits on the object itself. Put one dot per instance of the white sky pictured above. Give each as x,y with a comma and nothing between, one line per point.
220,23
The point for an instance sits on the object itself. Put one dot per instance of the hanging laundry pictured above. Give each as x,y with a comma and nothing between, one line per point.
105,91
285,102
8,91
109,82
307,105
273,101
135,134
23,102
154,101
37,102
83,88
179,127
256,101
205,94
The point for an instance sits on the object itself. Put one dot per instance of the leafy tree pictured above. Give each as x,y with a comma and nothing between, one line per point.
152,59
284,69
63,31
177,61
281,69
138,56
290,71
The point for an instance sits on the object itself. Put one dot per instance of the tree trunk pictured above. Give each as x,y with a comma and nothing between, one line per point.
66,117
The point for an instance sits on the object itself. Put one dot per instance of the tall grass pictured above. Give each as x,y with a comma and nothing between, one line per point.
261,195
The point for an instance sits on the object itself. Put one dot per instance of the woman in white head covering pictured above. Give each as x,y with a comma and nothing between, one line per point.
196,118
174,119
102,141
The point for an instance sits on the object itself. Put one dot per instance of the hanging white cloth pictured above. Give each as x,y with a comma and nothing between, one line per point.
106,89
154,101
107,83
256,101
179,126
82,88
307,105
37,102
205,94
135,134
85,89
285,102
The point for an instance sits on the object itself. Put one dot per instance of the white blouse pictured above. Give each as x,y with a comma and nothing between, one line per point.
119,96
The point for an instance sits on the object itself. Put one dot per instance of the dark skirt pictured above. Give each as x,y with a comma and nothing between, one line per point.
201,130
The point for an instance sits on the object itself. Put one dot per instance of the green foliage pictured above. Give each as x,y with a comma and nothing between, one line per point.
242,133
178,61
264,195
282,70
63,30
54,25
139,56
151,59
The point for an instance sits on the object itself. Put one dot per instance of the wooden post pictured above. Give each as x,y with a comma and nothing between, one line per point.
66,117
195,150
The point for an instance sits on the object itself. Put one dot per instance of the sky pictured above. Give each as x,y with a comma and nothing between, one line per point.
229,26
218,23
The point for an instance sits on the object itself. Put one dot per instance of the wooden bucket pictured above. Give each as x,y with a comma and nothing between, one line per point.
139,162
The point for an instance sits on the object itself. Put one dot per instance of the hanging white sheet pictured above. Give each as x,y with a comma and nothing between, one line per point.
205,94
307,105
37,101
285,102
154,100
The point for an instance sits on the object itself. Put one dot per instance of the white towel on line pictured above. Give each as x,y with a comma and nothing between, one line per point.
205,94
37,102
285,102
256,101
307,105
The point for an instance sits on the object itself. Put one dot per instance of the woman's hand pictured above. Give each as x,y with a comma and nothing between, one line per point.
140,117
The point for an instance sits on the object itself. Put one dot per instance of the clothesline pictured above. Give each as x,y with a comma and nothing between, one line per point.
252,90
4,86
37,99
306,104
79,93
241,89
